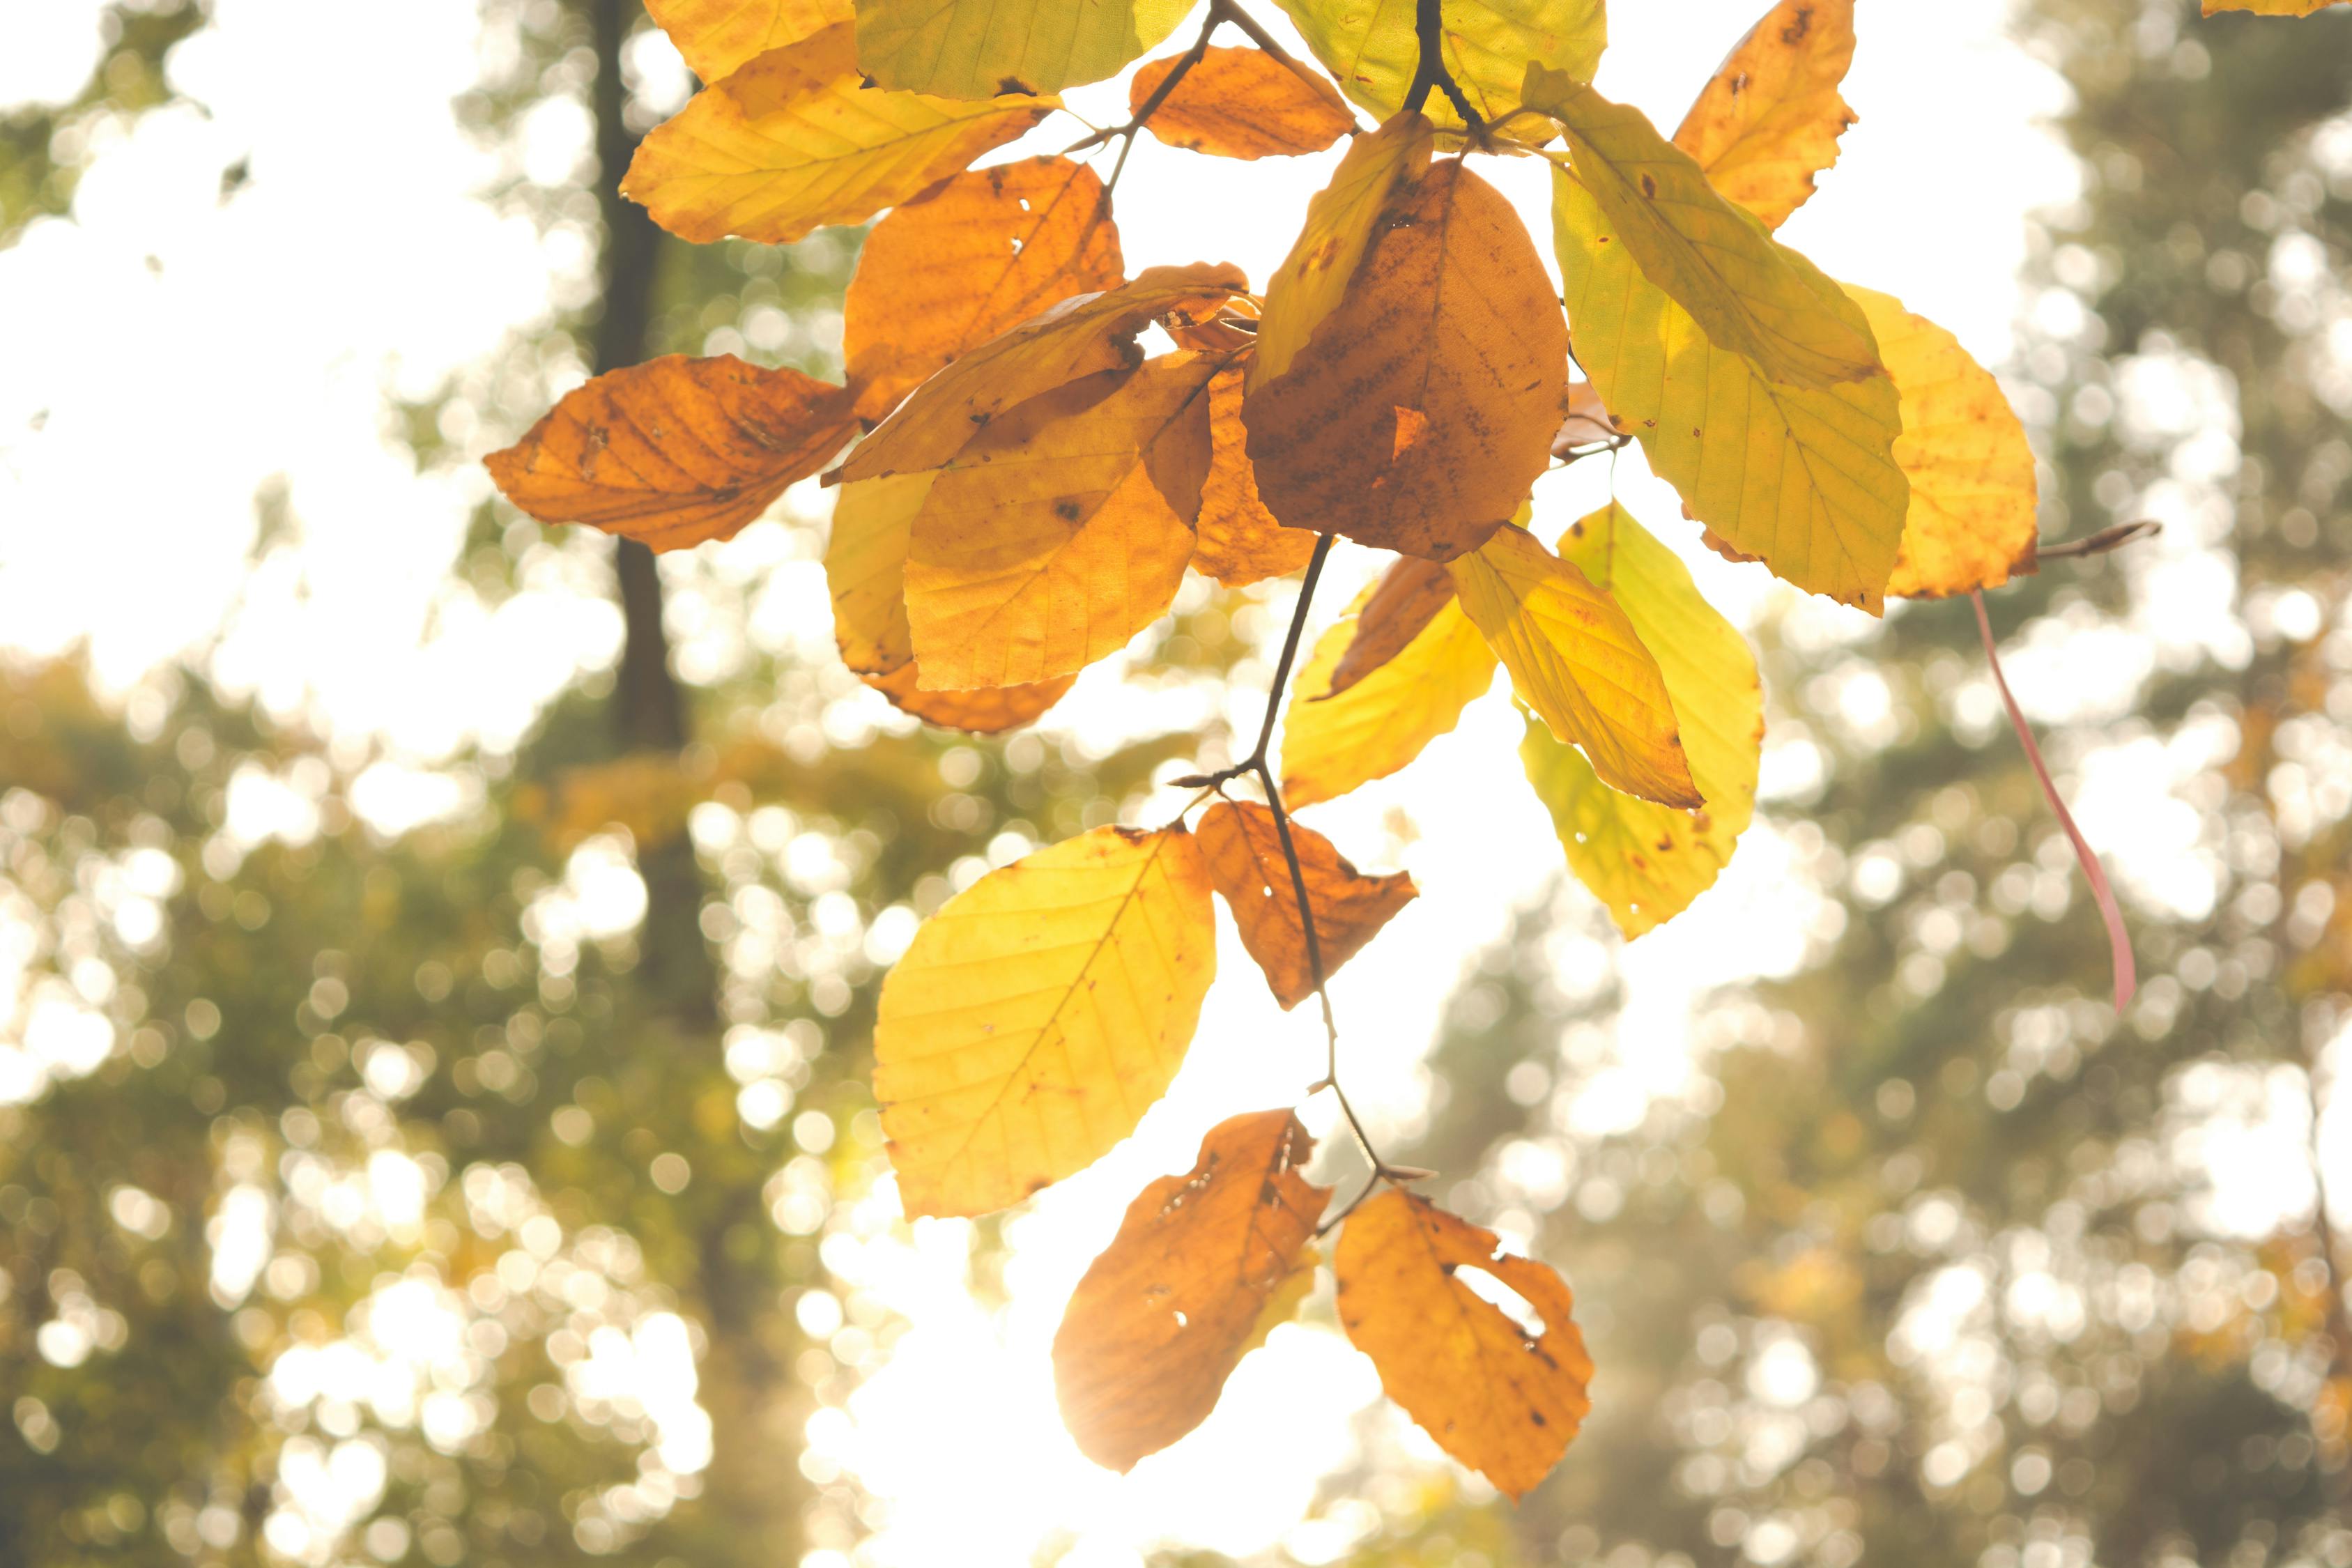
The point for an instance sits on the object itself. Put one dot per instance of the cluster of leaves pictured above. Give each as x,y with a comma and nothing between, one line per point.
1026,491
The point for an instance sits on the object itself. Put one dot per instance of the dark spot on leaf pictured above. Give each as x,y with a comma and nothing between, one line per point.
1014,84
1068,510
1649,186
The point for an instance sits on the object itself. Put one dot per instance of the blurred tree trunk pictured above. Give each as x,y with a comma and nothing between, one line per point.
750,1511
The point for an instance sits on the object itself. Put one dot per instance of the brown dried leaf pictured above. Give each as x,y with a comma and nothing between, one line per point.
1503,1403
969,258
675,451
1423,407
1239,540
990,710
1771,118
1341,219
1242,103
1076,338
1589,423
1245,861
1406,599
1168,1311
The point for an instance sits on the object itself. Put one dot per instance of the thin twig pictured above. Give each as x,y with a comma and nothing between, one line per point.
1219,11
2099,544
1429,34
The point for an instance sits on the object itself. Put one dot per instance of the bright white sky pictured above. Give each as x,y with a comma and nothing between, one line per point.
166,354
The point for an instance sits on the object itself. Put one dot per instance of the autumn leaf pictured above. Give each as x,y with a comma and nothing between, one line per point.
1807,481
1751,294
1645,861
1039,1014
1423,407
718,36
1769,120
1063,529
1184,1290
1974,498
1237,540
1407,598
1243,850
866,568
1588,423
1501,1402
1332,745
2270,7
794,140
989,712
1371,49
1242,103
1079,337
1576,659
1341,218
990,49
675,451
966,260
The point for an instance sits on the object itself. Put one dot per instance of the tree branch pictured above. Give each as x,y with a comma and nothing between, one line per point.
1429,33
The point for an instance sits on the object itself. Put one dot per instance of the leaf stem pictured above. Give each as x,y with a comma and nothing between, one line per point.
1429,33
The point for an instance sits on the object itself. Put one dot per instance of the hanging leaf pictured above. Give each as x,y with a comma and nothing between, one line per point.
1576,659
1078,337
2270,7
866,567
1645,861
1769,120
1039,1014
1425,406
990,49
1751,294
718,36
1243,850
1242,103
1408,596
795,140
1369,46
1974,498
1333,744
989,712
1807,481
1501,1402
675,451
966,260
1202,1267
1341,220
1238,540
1063,529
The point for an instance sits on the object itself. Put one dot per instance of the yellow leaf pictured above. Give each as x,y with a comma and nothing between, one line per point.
1807,481
987,49
1038,1016
1409,595
967,259
718,36
1424,408
1370,48
2270,7
866,567
1242,103
795,141
1238,541
990,711
1974,498
1244,850
1501,1402
1079,337
1333,744
1576,659
1771,118
1313,278
1750,294
1062,530
1184,1290
1645,861
675,451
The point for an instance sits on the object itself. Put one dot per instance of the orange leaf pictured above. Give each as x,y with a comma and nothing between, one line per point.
1406,599
967,259
1242,103
675,451
717,36
1180,1294
1245,863
1076,338
1771,118
1240,542
1425,406
1503,1403
987,711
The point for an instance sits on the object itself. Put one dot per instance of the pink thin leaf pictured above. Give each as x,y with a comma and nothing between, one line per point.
2118,940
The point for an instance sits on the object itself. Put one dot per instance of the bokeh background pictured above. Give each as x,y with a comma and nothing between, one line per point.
437,954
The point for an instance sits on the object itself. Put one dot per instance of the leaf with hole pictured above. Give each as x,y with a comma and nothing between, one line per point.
1242,847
